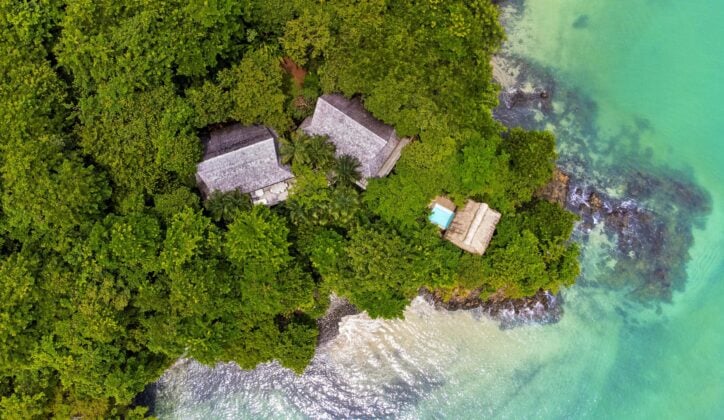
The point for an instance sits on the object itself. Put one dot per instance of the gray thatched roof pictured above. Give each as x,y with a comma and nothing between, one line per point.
240,158
473,227
354,131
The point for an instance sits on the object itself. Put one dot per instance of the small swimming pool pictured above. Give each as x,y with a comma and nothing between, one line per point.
441,216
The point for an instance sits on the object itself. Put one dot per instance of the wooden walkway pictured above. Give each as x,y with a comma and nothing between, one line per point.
393,158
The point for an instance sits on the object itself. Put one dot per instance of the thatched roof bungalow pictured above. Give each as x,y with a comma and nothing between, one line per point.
245,159
473,227
354,131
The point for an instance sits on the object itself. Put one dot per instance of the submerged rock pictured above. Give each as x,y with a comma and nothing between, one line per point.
652,231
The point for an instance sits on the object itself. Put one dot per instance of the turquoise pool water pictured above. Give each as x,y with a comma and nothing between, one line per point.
441,216
638,90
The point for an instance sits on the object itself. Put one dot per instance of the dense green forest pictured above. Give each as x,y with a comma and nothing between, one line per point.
112,266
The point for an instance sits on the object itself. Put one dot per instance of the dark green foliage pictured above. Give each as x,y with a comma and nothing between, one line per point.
255,86
211,102
530,252
144,139
326,251
319,151
313,203
421,65
257,244
484,170
426,169
548,221
170,203
110,266
316,152
131,46
346,171
49,197
387,269
532,160
294,149
250,92
17,307
223,207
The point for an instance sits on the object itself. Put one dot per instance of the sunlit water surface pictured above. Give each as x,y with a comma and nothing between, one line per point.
609,357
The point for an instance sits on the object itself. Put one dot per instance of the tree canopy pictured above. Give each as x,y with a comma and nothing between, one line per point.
112,266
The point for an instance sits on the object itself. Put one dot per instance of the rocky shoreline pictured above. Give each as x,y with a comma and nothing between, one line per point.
646,211
542,308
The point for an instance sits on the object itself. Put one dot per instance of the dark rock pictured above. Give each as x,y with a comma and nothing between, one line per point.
329,324
543,307
556,191
147,397
581,22
595,201
651,243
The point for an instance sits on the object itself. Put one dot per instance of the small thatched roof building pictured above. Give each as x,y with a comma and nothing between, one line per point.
354,131
244,159
473,227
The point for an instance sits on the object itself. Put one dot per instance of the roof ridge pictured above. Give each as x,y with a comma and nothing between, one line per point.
224,155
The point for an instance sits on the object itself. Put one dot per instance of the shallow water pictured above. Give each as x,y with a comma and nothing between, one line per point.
638,88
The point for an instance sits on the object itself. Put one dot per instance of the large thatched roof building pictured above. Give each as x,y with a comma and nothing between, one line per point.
355,132
473,227
244,159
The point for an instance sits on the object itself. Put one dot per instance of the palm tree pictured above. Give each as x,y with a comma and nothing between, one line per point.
223,207
346,170
316,152
343,206
320,152
294,149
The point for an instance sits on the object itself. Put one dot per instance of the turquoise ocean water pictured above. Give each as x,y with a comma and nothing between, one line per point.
651,75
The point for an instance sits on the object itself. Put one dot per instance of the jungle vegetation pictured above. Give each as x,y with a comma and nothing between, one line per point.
111,265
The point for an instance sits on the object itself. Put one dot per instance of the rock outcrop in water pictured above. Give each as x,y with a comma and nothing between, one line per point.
543,308
651,228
